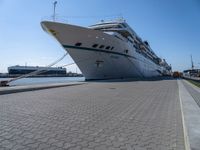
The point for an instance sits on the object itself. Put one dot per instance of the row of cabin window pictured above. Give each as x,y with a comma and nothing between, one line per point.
145,55
102,46
96,45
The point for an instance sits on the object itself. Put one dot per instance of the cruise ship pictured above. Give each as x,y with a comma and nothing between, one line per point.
108,50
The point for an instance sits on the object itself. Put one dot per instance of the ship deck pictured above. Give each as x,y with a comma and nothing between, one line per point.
126,115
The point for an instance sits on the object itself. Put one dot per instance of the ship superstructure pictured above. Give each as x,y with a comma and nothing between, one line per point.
107,50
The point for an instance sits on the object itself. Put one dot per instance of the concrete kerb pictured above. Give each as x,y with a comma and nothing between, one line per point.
186,138
191,114
17,89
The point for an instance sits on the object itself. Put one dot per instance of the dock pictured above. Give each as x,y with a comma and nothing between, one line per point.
161,114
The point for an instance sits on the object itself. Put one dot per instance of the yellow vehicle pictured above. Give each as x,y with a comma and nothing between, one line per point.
176,74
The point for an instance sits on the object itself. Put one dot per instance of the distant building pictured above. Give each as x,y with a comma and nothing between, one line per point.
192,73
44,71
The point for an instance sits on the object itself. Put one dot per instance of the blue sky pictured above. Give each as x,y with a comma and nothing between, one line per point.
172,27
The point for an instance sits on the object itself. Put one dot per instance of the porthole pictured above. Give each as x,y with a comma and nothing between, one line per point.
95,45
102,46
126,51
78,44
108,47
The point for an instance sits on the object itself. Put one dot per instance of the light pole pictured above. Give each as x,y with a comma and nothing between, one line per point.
198,70
54,10
192,63
199,65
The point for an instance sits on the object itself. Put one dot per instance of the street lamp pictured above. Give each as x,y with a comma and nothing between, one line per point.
54,10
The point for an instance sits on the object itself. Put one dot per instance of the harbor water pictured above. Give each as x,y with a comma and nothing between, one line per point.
43,80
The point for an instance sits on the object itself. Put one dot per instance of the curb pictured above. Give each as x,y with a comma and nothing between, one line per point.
185,133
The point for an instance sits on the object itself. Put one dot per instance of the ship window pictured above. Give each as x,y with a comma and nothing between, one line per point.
95,45
102,46
112,48
119,26
108,47
126,51
123,25
136,47
78,44
118,37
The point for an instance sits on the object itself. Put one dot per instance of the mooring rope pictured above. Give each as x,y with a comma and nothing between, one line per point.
5,83
39,71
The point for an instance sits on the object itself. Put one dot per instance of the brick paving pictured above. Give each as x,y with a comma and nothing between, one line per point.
138,115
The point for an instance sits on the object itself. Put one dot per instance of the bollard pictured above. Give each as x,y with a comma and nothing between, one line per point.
4,83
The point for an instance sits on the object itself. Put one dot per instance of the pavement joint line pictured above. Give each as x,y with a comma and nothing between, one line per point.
36,87
186,138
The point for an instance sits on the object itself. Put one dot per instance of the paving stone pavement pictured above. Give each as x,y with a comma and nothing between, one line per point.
138,115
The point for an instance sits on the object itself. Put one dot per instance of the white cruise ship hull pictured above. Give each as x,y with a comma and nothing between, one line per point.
100,63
